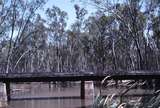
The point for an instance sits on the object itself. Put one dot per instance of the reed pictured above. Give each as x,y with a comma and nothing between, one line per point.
118,100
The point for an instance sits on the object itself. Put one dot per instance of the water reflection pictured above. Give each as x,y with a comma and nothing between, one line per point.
50,103
45,96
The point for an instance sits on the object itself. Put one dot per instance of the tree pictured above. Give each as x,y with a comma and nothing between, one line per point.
15,20
57,23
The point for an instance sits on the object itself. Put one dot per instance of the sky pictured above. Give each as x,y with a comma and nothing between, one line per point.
68,6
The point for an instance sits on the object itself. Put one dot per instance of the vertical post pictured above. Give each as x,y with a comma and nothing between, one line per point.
8,90
82,90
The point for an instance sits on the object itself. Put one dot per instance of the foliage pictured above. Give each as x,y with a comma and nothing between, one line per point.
119,36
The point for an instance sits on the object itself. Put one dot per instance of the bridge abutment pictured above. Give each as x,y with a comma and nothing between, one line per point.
8,91
82,92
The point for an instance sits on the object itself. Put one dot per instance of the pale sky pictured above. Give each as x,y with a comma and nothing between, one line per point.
68,6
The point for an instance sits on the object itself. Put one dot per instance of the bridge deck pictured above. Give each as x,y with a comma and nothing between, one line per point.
50,76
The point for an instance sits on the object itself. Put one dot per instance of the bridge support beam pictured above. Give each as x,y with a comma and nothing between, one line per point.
82,90
8,91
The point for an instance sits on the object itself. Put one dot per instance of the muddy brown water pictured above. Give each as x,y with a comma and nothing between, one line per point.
40,95
59,95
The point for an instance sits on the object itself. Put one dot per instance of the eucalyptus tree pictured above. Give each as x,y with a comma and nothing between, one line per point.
77,59
4,10
132,22
56,31
38,45
17,16
102,36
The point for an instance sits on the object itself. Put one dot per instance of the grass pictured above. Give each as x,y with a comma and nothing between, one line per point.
118,100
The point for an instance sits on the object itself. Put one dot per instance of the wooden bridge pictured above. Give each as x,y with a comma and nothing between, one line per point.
8,78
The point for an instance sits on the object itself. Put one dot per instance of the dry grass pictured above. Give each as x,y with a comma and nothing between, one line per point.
117,99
